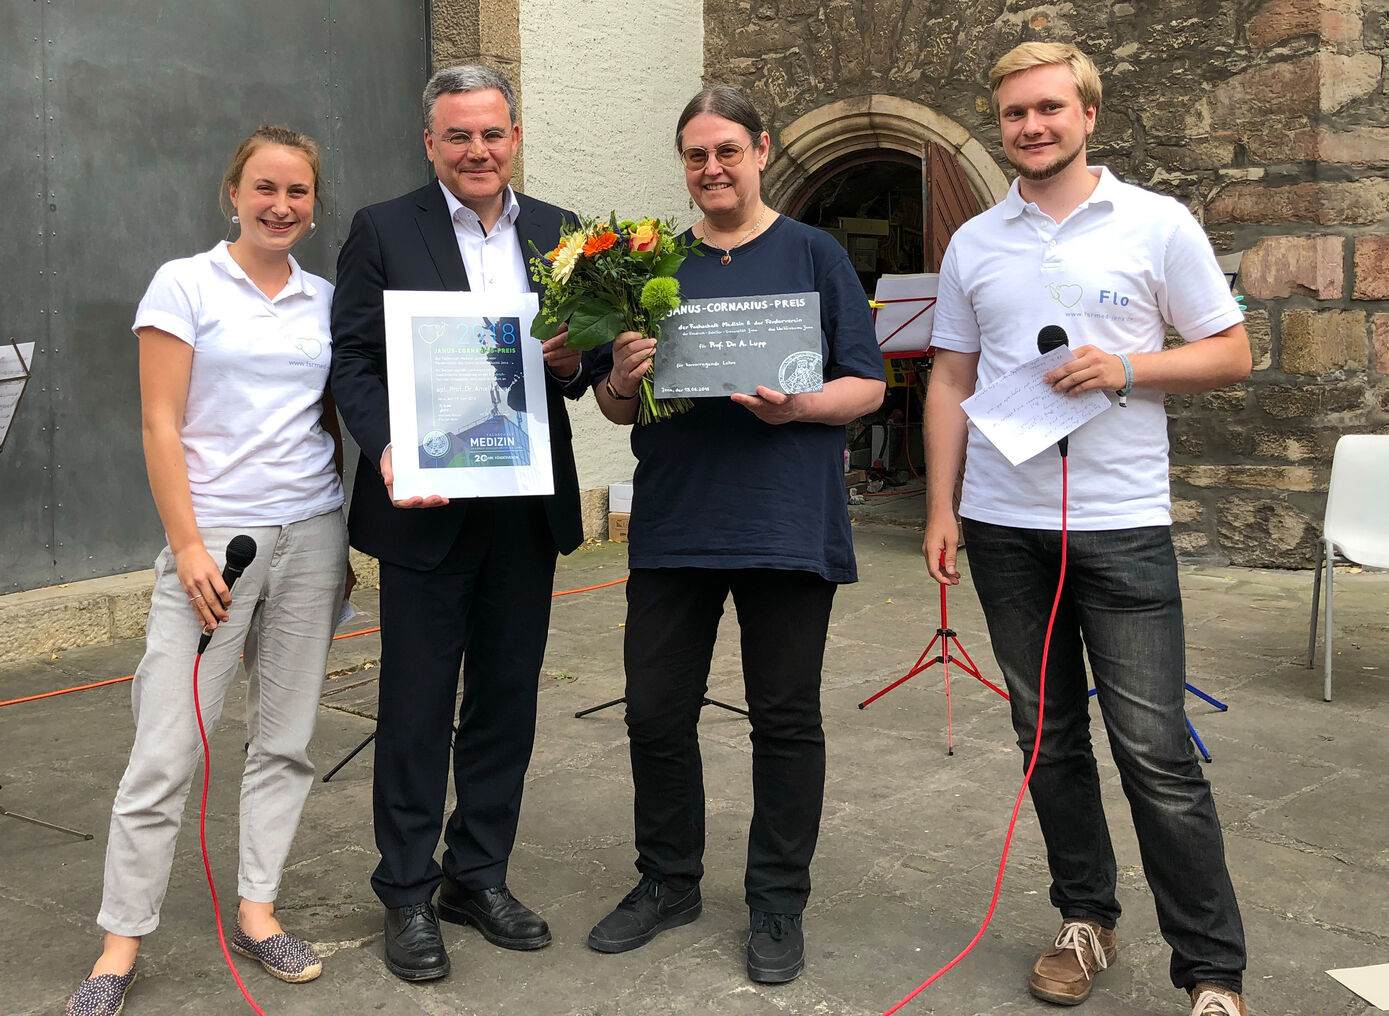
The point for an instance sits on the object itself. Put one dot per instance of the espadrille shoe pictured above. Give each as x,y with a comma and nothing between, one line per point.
103,995
284,956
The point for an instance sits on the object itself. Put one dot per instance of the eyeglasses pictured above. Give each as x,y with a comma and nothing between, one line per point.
727,153
493,138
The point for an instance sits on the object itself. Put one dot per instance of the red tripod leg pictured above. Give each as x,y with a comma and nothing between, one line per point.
917,668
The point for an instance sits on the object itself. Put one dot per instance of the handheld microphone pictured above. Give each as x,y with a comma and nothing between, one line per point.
1048,339
241,551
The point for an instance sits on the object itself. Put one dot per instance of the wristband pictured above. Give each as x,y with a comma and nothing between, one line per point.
613,393
1123,392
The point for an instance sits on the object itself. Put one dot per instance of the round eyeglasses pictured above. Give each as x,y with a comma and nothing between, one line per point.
727,153
493,138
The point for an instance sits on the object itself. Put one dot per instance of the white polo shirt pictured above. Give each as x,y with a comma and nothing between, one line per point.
1114,274
256,452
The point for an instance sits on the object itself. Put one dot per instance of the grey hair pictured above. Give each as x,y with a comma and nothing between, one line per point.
466,78
725,101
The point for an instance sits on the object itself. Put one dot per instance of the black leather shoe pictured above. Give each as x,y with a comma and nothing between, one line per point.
502,918
644,913
776,947
414,947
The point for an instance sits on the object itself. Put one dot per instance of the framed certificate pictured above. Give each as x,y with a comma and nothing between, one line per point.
466,385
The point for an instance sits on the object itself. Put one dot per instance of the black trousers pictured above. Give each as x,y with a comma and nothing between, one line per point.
486,606
672,622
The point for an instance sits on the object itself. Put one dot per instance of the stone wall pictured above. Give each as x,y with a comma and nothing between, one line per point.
1268,119
480,31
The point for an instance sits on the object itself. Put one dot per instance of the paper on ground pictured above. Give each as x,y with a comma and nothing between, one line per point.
1370,983
1021,415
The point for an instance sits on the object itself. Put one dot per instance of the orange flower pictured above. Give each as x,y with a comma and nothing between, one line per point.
599,242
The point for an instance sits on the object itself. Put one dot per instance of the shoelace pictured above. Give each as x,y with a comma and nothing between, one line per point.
1078,936
777,925
646,887
1214,1003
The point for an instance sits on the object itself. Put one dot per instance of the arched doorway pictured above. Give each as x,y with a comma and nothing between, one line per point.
872,203
893,213
891,180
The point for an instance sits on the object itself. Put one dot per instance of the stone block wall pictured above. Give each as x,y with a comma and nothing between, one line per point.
1268,118
1304,110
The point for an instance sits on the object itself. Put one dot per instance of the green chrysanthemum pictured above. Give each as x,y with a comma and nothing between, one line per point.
660,296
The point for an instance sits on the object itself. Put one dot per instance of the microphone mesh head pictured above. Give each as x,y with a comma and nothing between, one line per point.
241,551
1050,337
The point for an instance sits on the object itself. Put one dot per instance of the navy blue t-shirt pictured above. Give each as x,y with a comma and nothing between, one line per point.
718,488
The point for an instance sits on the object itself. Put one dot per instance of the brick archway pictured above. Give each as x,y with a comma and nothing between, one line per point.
831,132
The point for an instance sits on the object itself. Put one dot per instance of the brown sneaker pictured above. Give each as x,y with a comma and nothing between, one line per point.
1066,972
1213,1000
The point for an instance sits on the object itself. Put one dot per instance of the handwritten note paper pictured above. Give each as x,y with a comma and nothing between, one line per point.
1021,415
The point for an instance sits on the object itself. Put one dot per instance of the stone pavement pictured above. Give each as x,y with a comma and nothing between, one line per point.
907,854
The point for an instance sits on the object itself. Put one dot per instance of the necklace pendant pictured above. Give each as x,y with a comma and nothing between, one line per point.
727,257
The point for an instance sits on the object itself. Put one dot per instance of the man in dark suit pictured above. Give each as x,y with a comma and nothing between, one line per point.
462,581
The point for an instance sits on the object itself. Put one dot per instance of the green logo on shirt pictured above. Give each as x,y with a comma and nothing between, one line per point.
1066,294
309,347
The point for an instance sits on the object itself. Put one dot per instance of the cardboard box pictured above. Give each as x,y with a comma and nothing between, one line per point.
855,478
619,497
617,526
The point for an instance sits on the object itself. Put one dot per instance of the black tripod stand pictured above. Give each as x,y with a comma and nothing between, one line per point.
706,701
6,813
357,751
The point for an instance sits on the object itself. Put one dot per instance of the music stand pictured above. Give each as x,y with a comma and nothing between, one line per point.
946,636
358,750
705,701
1229,266
6,813
1195,737
904,308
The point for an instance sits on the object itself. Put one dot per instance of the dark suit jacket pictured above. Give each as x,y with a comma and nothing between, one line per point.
409,243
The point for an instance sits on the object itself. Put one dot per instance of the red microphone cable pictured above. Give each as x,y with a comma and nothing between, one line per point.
1027,777
202,840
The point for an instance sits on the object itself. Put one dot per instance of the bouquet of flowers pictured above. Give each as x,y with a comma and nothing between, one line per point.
610,277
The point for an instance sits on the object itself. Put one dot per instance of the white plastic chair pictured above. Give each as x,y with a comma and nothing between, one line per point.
1356,527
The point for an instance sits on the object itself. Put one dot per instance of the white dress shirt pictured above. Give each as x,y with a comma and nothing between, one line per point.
494,261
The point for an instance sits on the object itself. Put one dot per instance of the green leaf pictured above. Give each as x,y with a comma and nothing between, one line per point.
543,328
594,323
668,264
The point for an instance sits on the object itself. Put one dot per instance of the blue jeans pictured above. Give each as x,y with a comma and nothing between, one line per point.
1122,607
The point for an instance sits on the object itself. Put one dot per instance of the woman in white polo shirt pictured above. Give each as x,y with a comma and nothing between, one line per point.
240,436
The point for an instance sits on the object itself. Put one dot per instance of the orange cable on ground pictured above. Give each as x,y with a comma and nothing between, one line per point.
66,691
585,589
344,635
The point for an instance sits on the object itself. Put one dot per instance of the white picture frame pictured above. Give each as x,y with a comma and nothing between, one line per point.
466,388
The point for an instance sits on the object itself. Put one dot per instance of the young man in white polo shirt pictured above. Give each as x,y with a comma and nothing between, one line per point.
1113,265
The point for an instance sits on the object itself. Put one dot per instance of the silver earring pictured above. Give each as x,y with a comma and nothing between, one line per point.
236,220
313,226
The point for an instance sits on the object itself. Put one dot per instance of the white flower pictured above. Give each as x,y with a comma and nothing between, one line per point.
568,256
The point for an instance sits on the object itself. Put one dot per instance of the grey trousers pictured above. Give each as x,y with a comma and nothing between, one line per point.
283,612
